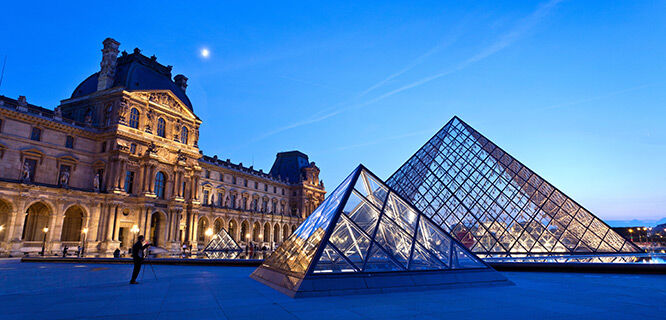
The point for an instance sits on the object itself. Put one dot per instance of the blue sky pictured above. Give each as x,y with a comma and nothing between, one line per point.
573,89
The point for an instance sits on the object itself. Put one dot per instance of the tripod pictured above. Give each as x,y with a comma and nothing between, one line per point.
143,271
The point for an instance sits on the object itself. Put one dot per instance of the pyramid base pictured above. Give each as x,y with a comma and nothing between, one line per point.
370,283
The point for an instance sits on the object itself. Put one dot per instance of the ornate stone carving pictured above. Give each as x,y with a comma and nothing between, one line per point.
166,100
123,107
181,157
152,148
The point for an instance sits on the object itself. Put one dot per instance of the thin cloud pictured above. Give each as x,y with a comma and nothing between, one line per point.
504,41
600,97
374,142
419,60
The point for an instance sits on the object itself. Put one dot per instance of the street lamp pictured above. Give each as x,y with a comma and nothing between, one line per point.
631,234
83,240
209,232
134,230
45,230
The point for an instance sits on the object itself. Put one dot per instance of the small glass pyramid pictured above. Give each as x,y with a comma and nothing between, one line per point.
494,204
362,231
222,241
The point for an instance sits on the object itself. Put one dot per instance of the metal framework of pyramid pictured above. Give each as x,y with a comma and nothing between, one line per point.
366,238
495,205
222,241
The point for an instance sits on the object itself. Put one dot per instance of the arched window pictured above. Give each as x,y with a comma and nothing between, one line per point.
184,135
160,182
161,125
134,118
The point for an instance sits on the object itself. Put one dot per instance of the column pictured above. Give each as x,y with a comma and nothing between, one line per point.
151,184
144,177
123,169
113,210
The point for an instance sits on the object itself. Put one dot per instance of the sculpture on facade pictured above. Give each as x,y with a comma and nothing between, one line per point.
152,148
64,178
96,182
25,173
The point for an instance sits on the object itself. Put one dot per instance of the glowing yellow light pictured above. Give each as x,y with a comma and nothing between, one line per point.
46,229
631,230
135,229
205,52
2,227
85,230
247,235
209,232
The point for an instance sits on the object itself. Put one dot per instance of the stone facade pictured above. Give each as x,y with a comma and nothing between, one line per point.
121,158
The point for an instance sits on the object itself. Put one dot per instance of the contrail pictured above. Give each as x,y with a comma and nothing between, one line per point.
522,28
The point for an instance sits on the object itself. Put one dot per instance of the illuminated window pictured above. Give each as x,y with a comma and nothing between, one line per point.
161,125
184,135
160,183
134,118
129,181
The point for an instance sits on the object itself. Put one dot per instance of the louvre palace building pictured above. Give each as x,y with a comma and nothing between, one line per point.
120,158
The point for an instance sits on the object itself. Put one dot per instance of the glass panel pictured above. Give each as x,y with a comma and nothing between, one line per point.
463,260
332,262
400,212
394,240
433,240
361,212
296,253
350,241
423,260
371,189
378,260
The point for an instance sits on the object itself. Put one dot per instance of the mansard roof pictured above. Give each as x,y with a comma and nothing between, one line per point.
288,165
240,167
137,72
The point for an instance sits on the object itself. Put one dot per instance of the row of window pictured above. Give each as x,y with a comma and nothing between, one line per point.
36,135
207,174
254,204
161,126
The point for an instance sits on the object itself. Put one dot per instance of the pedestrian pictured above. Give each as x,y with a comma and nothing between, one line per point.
116,254
64,251
137,257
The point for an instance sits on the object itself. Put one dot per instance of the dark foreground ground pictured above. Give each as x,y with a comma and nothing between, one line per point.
101,291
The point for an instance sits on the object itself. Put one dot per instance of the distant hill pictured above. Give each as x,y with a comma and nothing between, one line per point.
635,222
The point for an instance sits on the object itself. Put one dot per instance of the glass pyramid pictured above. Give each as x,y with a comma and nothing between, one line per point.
364,228
494,204
222,241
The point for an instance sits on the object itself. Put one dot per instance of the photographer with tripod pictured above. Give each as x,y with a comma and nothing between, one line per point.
138,256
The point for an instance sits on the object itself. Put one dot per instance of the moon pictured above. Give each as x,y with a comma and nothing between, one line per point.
205,52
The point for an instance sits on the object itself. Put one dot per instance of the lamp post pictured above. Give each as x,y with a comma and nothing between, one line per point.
631,234
84,234
208,233
45,230
134,230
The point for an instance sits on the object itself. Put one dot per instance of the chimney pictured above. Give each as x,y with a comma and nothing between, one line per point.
108,64
181,81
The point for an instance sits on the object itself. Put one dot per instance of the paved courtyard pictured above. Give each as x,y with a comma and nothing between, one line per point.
95,291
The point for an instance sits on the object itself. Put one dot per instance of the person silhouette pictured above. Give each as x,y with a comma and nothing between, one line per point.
137,257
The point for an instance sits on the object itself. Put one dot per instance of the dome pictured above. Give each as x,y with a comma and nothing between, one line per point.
137,72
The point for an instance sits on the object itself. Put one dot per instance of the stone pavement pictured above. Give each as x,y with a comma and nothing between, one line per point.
97,291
